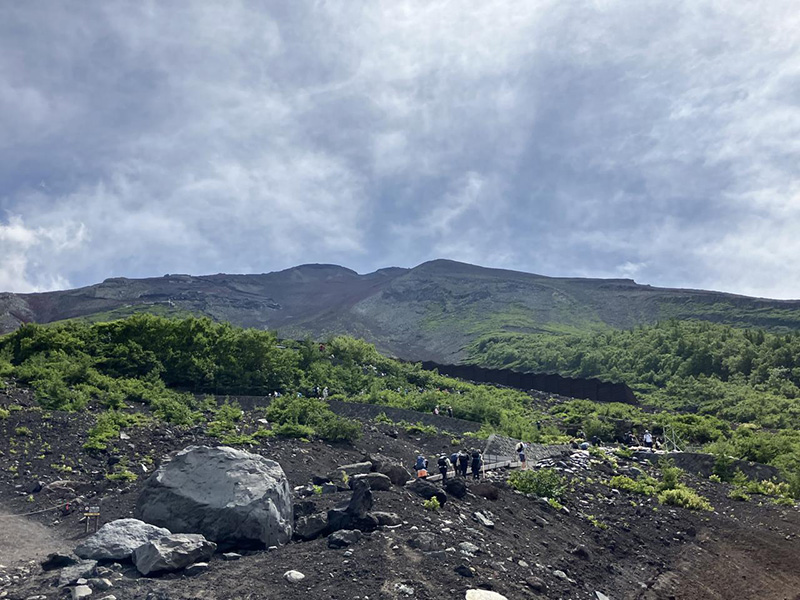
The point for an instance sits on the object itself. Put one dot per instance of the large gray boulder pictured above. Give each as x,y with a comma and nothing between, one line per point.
172,552
118,539
232,497
377,481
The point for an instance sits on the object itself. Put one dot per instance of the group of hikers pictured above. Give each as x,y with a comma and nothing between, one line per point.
459,461
438,411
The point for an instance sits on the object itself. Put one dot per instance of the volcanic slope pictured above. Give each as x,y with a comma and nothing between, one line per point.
431,312
620,544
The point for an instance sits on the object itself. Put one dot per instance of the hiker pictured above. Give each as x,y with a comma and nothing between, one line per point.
443,464
421,467
454,461
450,411
521,455
477,462
325,393
463,462
436,409
648,439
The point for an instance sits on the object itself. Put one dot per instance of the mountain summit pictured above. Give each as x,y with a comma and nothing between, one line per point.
433,311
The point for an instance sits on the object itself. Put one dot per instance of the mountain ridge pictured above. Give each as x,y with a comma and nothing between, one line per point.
433,311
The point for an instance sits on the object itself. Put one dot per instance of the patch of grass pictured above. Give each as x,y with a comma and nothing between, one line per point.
596,522
544,483
684,497
624,453
432,504
382,418
645,485
418,428
108,427
22,431
4,414
738,494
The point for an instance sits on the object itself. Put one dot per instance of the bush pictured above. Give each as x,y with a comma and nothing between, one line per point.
22,431
432,504
644,485
108,426
339,430
544,483
293,430
738,494
723,467
670,475
685,498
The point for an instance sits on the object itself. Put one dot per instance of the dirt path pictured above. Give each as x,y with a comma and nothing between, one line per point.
22,540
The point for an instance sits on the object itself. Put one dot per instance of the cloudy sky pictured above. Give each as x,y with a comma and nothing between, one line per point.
652,140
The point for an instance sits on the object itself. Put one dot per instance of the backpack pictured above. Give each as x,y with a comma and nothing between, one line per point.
420,464
476,455
442,462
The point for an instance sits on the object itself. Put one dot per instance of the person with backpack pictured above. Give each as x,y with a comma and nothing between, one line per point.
421,467
454,462
443,465
521,455
463,462
477,462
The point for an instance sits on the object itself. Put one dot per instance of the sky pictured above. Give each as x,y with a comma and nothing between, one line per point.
658,141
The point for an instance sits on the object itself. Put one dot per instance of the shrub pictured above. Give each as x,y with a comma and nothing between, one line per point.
432,504
544,483
382,418
738,494
108,426
670,475
644,485
624,452
4,414
293,430
22,431
418,428
715,478
339,429
685,498
723,467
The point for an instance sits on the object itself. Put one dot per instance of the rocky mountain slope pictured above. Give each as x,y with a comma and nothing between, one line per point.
433,311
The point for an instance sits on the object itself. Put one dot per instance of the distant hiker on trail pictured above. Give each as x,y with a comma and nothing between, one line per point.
325,393
443,465
454,461
477,462
648,439
421,467
436,409
463,462
521,455
450,411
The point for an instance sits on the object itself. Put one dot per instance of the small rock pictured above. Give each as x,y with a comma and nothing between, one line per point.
425,541
81,591
100,584
561,575
601,596
343,538
404,589
231,556
484,595
468,548
387,519
57,561
464,571
293,576
71,574
483,520
582,552
196,569
536,584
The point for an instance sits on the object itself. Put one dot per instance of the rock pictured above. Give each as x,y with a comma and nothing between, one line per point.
343,538
118,539
293,576
581,552
100,584
172,553
329,488
405,590
468,548
536,584
229,556
425,541
483,520
57,561
456,487
377,481
387,519
485,490
232,497
304,509
484,595
464,571
561,575
317,480
601,596
196,569
81,591
354,515
71,574
34,487
350,470
427,490
397,474
311,527
109,597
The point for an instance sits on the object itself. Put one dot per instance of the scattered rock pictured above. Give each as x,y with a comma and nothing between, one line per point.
468,548
484,595
343,538
293,576
425,541
536,584
172,552
354,515
196,569
485,490
405,590
118,539
311,527
229,556
71,574
560,575
427,490
601,596
456,487
100,584
581,552
57,561
483,520
377,481
232,497
304,508
397,474
81,591
387,519
464,571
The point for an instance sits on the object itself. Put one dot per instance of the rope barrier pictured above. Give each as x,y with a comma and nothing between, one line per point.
36,512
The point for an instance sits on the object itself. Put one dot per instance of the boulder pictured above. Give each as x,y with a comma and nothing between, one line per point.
456,487
377,481
81,591
427,490
232,497
485,490
118,539
397,475
484,595
425,541
310,527
81,570
355,514
304,509
354,469
343,538
172,553
57,561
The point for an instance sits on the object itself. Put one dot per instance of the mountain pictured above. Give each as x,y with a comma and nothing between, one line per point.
433,311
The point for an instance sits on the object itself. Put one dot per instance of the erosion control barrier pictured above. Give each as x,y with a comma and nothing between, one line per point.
573,387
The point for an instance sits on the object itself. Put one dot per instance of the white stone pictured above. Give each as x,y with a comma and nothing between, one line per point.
293,576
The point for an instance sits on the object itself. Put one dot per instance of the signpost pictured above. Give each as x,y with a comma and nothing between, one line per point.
89,513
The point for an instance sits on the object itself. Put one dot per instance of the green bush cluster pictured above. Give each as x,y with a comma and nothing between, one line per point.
543,483
108,426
